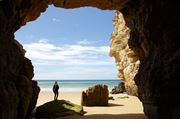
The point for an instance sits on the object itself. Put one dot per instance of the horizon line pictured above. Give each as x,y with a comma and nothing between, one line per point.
75,79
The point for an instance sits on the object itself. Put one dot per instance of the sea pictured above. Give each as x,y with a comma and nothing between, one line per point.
75,85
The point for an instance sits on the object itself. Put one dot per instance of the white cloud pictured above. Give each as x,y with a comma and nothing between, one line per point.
43,40
44,53
75,61
88,62
84,42
56,20
77,73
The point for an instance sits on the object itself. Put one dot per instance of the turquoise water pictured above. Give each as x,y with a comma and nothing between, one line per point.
75,85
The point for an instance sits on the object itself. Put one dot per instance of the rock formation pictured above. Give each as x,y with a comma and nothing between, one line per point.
18,92
95,96
58,108
154,38
127,61
119,89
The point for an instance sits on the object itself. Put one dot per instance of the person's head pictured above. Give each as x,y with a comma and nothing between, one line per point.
55,82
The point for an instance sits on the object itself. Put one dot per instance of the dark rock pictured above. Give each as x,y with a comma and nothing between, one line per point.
95,96
118,89
154,37
35,93
18,92
58,108
111,98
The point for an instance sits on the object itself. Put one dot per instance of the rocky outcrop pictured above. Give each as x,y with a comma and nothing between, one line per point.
95,96
119,89
127,61
58,108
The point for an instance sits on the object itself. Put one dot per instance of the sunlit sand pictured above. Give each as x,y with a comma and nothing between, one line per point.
122,107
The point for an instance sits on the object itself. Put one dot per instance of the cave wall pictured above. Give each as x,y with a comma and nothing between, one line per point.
18,93
127,61
153,38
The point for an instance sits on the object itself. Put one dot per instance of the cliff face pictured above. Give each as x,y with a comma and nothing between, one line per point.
154,37
126,60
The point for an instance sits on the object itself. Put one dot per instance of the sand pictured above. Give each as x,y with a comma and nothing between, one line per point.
123,107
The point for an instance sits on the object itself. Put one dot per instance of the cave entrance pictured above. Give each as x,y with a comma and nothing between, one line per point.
47,51
70,44
153,36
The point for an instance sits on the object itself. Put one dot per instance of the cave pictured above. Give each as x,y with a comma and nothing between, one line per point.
153,38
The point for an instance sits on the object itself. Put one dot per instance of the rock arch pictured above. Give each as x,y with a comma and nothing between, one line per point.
154,38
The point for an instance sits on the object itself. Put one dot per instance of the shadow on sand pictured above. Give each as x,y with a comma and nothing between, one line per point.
120,116
112,105
108,116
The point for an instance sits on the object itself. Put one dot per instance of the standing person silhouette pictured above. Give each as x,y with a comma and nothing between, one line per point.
55,90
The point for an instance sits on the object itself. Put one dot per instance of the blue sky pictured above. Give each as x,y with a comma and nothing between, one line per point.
70,44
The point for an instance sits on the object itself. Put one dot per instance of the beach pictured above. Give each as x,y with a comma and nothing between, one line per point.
122,107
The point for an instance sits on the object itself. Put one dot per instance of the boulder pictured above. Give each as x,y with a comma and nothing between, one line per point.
118,89
95,96
58,108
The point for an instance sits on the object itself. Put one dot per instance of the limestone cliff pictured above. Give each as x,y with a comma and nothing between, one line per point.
126,60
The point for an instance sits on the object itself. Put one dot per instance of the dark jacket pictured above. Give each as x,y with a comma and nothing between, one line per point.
55,88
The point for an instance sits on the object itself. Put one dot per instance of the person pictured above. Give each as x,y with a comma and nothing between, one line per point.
55,90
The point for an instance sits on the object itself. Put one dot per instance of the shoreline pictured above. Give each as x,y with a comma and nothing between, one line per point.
124,106
75,85
69,90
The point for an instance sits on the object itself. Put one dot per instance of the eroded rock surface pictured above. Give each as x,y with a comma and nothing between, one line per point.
18,93
101,4
95,96
154,37
127,61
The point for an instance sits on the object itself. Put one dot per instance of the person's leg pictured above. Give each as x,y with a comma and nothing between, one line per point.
54,96
57,94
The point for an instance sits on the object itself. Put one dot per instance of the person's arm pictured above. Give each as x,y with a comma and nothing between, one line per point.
53,87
